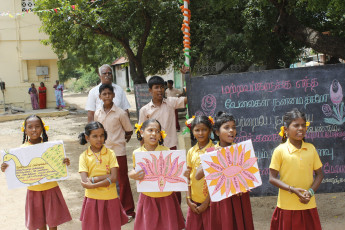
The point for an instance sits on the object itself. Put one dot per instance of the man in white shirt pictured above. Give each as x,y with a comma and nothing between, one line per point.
94,102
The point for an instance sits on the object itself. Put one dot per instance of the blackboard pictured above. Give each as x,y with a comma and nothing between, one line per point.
258,100
142,96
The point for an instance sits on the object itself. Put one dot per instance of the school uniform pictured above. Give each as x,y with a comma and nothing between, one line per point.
101,209
157,210
45,205
199,191
117,123
234,212
165,114
296,168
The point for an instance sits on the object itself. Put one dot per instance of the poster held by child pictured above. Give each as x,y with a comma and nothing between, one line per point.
233,212
155,210
45,204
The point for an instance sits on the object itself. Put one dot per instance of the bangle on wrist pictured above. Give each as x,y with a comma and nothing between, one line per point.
92,180
109,181
311,191
290,187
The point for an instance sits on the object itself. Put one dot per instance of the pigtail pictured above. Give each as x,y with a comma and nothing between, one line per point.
139,137
44,135
25,138
82,139
161,141
137,131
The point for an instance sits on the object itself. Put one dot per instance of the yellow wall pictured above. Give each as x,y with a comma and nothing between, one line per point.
20,53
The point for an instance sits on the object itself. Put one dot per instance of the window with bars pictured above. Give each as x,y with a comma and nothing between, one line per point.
27,5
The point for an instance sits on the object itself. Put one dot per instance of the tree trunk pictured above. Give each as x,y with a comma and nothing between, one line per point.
137,78
291,26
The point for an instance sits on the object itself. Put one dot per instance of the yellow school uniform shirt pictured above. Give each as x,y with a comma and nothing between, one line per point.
158,148
199,190
296,167
99,165
40,187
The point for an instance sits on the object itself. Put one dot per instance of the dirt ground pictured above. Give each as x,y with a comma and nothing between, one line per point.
331,206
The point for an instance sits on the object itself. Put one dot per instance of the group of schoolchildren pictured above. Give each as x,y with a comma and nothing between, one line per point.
292,169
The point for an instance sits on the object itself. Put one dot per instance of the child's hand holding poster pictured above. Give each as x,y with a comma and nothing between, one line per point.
231,170
35,164
163,171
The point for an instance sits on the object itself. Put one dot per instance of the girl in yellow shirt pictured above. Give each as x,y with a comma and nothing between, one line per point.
98,167
45,204
198,200
155,210
234,212
295,161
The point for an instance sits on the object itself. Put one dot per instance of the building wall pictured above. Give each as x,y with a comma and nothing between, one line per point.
21,52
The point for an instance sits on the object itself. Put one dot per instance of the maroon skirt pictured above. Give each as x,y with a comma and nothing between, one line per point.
234,212
102,214
158,213
45,208
199,221
295,219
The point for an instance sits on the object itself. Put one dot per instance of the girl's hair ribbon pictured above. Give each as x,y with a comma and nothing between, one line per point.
188,122
46,127
211,120
138,127
163,134
282,131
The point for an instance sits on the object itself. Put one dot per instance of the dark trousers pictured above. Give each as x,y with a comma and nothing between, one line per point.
126,196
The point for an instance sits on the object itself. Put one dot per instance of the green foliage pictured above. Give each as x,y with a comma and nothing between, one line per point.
99,31
87,80
148,32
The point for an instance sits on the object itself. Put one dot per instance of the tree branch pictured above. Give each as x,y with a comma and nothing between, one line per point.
288,24
145,35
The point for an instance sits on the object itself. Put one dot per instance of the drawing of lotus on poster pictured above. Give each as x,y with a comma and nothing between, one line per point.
231,170
35,164
163,171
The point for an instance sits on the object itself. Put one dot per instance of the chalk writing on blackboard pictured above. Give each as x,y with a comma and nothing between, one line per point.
258,101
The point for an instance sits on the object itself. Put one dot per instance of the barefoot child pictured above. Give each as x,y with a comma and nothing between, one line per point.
198,200
119,131
101,209
295,161
155,210
45,204
233,212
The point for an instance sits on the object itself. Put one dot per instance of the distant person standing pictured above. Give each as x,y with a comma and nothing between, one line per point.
33,96
94,102
42,92
60,104
173,92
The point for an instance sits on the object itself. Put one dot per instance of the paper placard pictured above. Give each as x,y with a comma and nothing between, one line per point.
163,171
231,170
35,164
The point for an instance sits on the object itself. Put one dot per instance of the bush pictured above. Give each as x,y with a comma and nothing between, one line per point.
86,80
